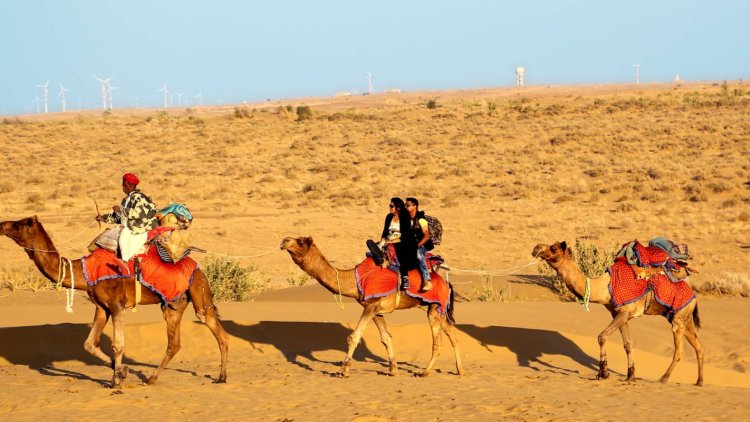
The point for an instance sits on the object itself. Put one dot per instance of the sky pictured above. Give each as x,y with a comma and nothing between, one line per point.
235,51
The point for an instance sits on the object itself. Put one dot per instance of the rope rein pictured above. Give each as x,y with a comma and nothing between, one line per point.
493,273
340,300
70,294
586,295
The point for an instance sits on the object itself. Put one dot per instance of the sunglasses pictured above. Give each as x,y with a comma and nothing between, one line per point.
391,206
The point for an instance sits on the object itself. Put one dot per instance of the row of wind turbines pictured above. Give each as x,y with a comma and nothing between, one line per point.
107,89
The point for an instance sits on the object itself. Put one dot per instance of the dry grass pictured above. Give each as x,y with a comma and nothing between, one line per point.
611,163
728,284
23,278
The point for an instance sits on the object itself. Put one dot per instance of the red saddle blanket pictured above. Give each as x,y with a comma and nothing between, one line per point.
625,288
167,280
374,281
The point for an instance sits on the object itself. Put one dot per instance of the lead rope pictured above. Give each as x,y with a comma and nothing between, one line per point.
70,294
340,300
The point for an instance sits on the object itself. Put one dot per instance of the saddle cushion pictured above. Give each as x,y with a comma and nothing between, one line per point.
625,287
167,280
374,281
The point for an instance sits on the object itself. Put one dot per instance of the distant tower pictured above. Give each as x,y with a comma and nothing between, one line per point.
637,73
677,78
369,83
520,71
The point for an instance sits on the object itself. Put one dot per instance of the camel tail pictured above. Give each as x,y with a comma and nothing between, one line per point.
696,317
451,302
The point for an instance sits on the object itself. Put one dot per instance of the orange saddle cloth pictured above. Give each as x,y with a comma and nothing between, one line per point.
167,280
374,281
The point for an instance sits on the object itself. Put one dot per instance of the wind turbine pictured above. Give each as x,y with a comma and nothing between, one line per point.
179,99
62,94
44,87
200,98
166,93
637,73
369,83
104,82
36,102
110,88
136,101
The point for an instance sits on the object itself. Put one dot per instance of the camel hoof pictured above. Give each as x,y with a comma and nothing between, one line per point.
602,375
151,380
222,380
663,380
422,374
461,372
631,374
342,374
699,383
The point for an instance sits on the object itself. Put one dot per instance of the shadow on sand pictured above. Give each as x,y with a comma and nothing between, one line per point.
529,345
297,340
40,347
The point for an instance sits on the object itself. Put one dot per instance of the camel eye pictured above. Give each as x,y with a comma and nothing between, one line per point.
553,248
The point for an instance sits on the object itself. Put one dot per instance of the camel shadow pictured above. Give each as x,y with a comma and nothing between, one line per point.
530,345
296,340
40,347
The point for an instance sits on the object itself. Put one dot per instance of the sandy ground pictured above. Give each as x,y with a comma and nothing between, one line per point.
527,361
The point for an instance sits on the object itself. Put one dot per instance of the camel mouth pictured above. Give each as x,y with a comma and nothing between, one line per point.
285,243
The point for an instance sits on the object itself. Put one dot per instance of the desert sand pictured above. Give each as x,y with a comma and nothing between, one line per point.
506,169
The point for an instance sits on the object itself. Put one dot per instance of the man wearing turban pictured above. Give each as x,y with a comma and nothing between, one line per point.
136,214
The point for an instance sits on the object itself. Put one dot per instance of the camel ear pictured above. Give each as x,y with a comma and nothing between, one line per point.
564,245
307,241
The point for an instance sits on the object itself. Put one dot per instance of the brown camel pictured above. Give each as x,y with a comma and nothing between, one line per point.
685,322
112,297
306,254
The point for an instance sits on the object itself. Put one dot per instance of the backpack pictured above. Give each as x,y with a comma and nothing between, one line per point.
435,229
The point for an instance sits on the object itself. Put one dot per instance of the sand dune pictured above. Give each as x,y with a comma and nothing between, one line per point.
523,360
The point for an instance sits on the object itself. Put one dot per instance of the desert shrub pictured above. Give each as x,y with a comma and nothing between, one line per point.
728,284
486,291
297,278
431,104
304,113
241,113
25,278
231,281
591,259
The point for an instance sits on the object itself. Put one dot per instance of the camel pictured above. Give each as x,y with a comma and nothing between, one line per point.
112,297
685,322
307,256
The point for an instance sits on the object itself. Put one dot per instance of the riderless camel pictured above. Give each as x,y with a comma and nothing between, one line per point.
685,322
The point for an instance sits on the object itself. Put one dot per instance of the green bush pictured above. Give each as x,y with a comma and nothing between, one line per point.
230,281
297,278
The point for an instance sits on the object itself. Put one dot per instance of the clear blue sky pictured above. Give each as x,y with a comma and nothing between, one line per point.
234,51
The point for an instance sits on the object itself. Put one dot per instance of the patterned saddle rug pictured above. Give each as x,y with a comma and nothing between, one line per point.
169,281
374,281
653,270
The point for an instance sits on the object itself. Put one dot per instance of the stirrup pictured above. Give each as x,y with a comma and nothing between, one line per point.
376,252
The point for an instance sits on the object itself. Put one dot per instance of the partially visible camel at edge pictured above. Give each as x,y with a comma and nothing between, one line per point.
685,322
306,255
112,297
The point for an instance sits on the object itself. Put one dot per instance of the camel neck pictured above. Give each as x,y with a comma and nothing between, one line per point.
46,258
335,280
576,282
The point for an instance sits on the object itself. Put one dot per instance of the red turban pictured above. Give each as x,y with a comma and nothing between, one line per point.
130,178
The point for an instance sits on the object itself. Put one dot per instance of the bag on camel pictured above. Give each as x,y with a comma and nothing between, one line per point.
436,232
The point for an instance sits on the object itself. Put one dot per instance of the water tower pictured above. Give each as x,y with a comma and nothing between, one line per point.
519,75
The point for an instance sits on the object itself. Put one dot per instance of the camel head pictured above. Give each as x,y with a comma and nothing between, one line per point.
297,247
23,231
553,254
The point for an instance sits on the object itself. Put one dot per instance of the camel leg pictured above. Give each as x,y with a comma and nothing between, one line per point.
627,343
450,331
691,334
173,318
620,319
678,331
434,317
118,348
214,324
353,339
385,337
206,312
93,341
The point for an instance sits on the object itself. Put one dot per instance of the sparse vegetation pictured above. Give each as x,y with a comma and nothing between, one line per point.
592,260
728,284
231,281
23,278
